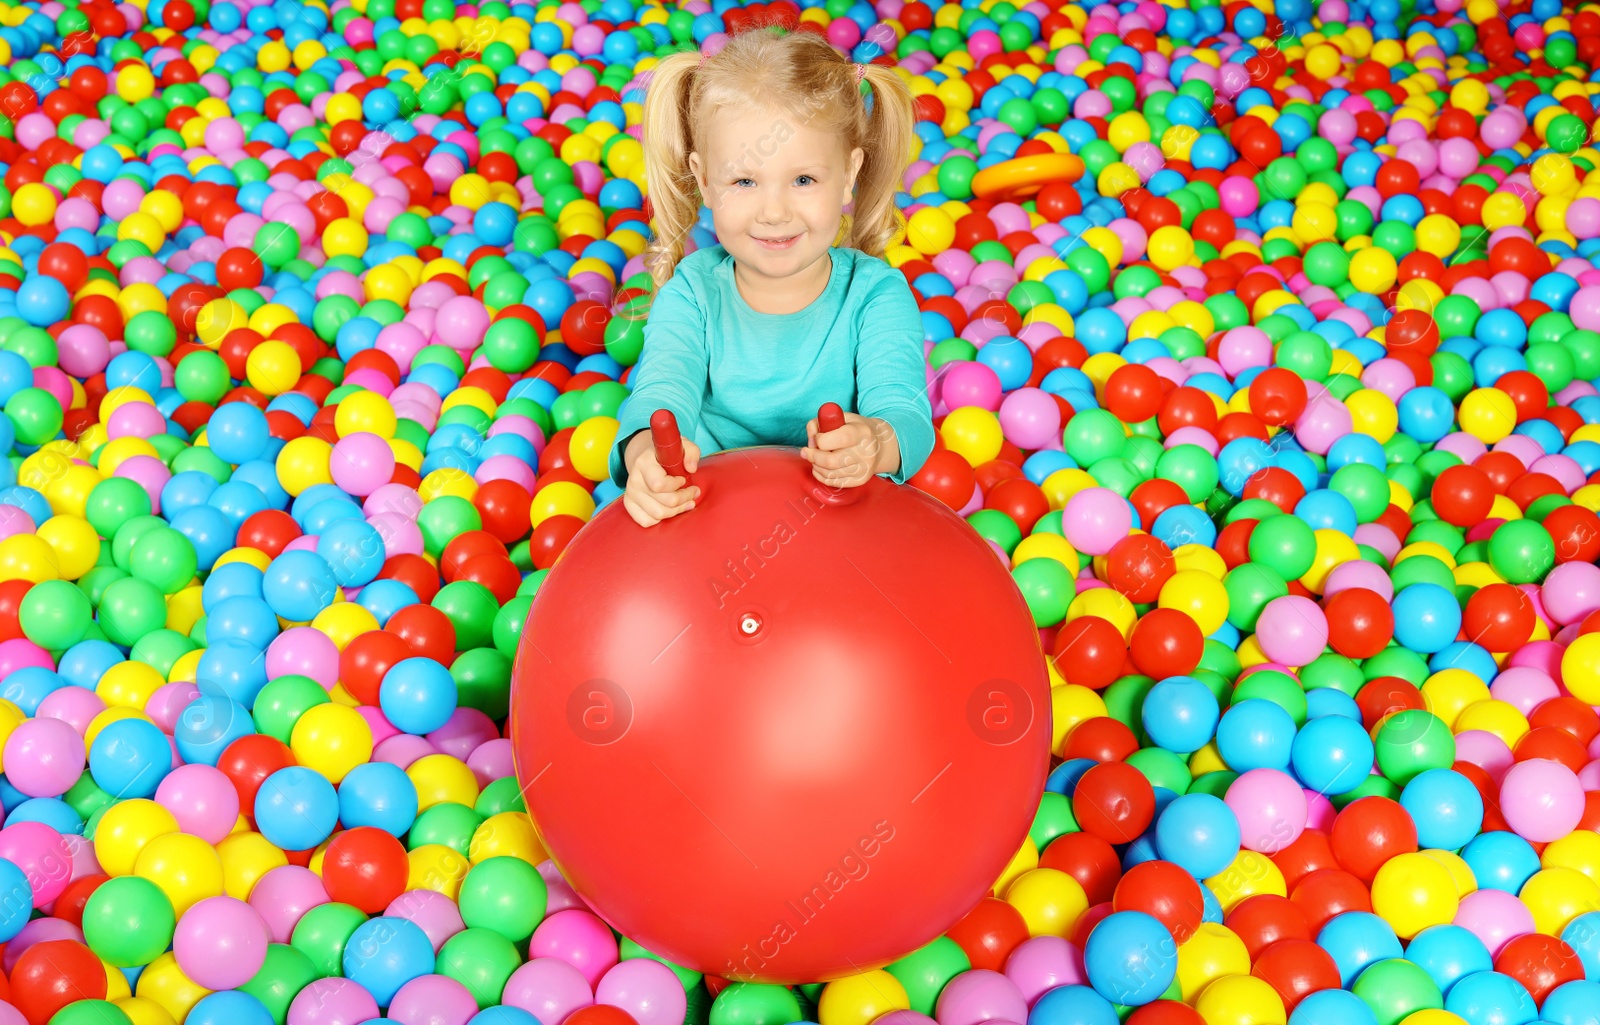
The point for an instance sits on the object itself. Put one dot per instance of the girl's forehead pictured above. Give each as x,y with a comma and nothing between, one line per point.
732,131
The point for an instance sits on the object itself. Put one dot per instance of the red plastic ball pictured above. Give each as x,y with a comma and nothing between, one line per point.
1264,919
694,680
1328,892
1089,651
1100,739
367,658
1278,396
1370,831
1166,642
1360,622
1296,968
989,933
1499,617
52,974
1137,566
1114,801
366,868
1092,861
1540,963
1462,495
1164,891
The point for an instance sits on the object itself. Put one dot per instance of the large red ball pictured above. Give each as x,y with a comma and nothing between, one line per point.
793,657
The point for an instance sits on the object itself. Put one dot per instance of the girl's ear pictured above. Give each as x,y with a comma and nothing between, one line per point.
857,157
694,169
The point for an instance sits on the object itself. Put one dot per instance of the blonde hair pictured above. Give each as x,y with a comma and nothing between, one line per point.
806,77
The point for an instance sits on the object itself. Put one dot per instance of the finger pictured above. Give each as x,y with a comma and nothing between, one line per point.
674,499
636,510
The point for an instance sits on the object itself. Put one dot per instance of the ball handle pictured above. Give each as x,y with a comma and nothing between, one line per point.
668,441
829,418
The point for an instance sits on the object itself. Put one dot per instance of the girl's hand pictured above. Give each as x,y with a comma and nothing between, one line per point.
853,454
651,495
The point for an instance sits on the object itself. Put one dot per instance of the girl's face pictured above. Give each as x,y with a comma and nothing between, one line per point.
777,189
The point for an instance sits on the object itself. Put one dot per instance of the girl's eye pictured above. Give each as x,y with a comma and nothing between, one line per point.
805,179
744,183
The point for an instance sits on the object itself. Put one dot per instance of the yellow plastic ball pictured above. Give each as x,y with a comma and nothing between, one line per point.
303,462
344,237
1374,270
1070,704
1558,895
365,411
185,867
589,447
1199,595
1214,951
509,834
1249,874
930,231
1580,668
1488,414
34,204
1373,413
1170,247
125,830
1049,901
144,1011
75,543
1579,849
273,367
441,779
331,739
560,498
163,983
973,433
246,857
859,999
1241,1000
1412,892
28,557
437,867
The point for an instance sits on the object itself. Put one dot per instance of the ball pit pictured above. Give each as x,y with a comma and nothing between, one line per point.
1264,350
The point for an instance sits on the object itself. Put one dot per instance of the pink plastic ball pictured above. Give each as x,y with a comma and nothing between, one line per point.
1292,630
1270,807
1541,799
647,989
1095,519
221,943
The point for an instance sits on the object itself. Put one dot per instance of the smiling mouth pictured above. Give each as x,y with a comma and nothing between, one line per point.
777,243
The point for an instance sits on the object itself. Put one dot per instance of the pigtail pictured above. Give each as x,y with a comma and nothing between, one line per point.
668,141
886,145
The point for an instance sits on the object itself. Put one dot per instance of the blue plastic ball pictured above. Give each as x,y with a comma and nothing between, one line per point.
384,954
1180,714
1199,833
1130,958
417,695
296,808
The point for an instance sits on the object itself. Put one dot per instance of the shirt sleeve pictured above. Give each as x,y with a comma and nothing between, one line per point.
891,372
671,372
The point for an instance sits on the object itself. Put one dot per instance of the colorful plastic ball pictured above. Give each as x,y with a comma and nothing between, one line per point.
1270,808
384,954
296,808
1130,958
418,695
1199,833
1541,800
128,921
221,943
1180,714
1446,807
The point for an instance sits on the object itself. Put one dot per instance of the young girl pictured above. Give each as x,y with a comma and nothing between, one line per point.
795,307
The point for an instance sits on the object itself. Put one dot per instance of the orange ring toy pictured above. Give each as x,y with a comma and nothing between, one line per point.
1025,176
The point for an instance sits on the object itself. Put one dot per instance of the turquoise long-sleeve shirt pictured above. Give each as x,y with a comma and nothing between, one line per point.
735,377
